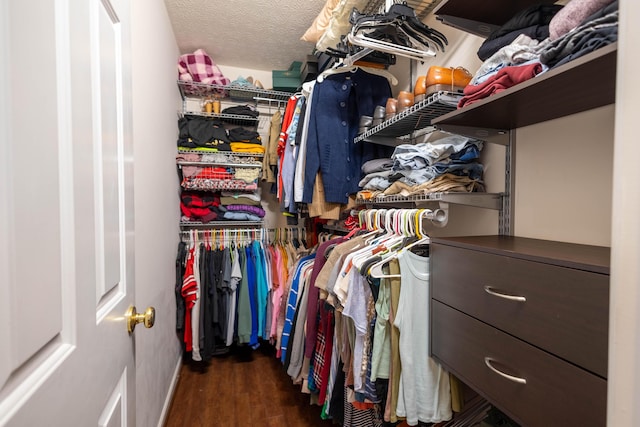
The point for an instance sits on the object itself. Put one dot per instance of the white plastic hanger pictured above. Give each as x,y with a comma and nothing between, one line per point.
341,68
338,68
383,46
406,229
422,213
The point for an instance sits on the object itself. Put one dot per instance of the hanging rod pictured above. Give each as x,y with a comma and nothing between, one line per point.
402,220
224,235
270,101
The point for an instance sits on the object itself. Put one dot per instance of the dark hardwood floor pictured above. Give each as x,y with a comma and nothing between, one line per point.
243,389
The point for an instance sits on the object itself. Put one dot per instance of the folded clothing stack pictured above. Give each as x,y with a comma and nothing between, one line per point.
209,135
243,115
203,134
204,206
245,141
222,178
200,206
241,206
538,39
199,67
533,21
448,164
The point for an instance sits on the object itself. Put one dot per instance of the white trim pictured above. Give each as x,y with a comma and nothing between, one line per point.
66,183
624,302
170,393
96,143
120,115
108,299
6,194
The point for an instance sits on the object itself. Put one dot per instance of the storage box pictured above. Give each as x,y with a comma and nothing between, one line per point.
309,69
287,80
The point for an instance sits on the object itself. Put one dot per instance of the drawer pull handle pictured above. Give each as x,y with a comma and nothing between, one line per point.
488,360
492,291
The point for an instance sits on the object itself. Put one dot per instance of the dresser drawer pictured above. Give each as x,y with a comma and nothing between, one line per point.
562,310
556,393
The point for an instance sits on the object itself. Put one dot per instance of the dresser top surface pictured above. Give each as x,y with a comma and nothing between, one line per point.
583,257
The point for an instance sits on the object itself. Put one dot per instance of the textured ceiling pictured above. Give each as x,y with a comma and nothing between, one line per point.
256,34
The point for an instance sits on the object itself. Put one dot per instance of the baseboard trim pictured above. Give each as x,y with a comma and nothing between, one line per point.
171,391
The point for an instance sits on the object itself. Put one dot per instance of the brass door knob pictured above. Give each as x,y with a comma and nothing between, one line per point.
133,318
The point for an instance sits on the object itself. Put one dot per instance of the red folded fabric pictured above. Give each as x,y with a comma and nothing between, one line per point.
504,79
199,206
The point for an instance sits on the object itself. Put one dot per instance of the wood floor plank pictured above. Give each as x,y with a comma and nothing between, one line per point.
245,388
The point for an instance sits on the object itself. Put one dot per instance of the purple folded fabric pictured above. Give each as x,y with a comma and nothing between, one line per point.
256,210
572,15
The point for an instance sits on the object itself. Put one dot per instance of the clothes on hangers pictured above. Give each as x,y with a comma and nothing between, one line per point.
270,158
298,181
223,286
282,139
365,326
308,150
338,103
424,391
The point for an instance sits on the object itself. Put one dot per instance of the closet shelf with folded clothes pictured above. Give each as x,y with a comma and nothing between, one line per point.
417,117
239,93
480,200
579,85
206,178
210,207
230,159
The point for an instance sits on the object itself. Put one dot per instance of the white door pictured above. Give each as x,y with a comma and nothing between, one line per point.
66,219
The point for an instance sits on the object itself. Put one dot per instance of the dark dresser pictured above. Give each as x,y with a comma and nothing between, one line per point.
524,322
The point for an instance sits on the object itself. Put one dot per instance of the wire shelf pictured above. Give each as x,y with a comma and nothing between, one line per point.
214,163
225,153
239,93
418,116
217,224
335,227
482,200
216,181
229,118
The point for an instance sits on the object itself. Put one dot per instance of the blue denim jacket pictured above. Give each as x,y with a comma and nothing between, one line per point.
336,107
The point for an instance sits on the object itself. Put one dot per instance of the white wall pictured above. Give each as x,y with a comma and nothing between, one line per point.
155,102
233,73
564,178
